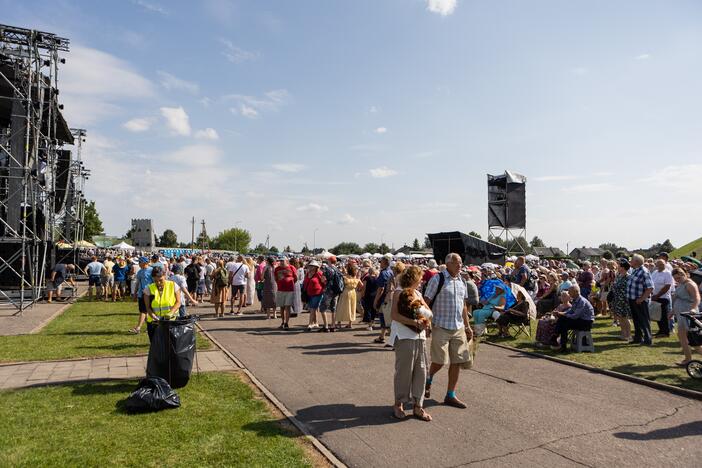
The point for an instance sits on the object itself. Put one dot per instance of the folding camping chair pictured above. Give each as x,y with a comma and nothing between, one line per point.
524,327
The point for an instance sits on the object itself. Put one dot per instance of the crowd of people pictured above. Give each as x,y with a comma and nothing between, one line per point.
409,300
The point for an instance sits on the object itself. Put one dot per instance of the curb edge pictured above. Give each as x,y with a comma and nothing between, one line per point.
693,394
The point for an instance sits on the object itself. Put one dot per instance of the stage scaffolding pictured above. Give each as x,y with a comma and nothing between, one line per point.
41,183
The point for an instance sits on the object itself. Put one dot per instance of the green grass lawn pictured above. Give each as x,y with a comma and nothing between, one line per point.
220,423
656,362
86,329
687,249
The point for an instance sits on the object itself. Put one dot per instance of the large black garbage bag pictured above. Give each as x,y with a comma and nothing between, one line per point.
172,351
152,394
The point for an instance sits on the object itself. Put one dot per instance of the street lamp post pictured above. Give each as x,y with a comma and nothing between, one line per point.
314,240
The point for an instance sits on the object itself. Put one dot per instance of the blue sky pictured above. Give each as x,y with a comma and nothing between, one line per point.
378,119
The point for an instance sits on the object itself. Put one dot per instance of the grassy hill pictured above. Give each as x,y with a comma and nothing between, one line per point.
686,249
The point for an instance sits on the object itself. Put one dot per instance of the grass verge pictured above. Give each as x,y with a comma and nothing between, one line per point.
85,329
655,362
221,423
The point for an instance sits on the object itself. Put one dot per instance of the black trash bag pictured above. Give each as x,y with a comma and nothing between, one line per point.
152,394
172,351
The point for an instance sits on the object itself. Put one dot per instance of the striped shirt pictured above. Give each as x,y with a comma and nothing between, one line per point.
448,305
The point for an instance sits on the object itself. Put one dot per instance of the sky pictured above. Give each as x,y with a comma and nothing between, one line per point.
318,121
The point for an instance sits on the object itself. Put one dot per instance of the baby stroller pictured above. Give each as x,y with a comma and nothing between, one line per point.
694,338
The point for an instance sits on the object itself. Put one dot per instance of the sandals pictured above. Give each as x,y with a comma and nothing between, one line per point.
379,340
422,415
398,413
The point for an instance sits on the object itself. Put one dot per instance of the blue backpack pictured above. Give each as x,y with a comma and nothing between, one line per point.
336,285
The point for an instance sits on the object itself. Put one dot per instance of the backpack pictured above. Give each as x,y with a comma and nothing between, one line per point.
221,278
336,282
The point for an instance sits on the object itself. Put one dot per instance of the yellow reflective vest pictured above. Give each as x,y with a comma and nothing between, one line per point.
162,303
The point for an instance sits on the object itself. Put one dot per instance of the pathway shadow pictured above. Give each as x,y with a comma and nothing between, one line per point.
104,388
330,349
690,429
634,368
322,419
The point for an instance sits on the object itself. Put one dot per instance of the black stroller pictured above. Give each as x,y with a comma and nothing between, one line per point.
694,338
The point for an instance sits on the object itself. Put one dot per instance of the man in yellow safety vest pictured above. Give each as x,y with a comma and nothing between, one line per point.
162,300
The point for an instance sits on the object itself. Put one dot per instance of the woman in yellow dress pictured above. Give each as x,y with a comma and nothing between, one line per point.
346,308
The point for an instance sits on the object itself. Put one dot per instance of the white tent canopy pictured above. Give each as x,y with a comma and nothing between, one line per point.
326,254
400,255
122,246
377,255
531,258
366,255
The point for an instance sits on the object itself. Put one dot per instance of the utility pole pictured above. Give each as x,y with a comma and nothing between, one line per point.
314,240
268,241
204,241
192,234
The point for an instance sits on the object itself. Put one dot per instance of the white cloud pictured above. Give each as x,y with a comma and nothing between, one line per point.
93,82
683,179
347,219
442,7
313,207
248,111
254,194
380,130
236,54
139,124
205,101
374,110
195,155
553,178
643,57
207,134
382,172
590,188
425,154
252,106
578,71
177,120
153,7
288,167
173,83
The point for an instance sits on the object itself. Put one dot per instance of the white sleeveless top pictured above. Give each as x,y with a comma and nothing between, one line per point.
399,331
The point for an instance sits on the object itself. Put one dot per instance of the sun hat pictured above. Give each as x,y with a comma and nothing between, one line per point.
314,263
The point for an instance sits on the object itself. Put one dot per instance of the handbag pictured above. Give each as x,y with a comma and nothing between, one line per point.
654,311
472,349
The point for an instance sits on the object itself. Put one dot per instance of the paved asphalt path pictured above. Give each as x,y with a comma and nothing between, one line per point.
522,410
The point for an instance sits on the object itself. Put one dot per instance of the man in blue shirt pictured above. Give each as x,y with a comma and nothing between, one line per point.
579,316
94,270
143,280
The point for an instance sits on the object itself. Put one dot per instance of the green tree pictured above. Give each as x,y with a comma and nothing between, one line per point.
371,247
234,239
168,239
537,242
383,248
415,244
474,234
608,255
92,222
287,249
273,249
203,240
427,243
260,249
346,248
305,250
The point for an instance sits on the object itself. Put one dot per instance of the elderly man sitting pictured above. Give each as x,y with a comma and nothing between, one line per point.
579,317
